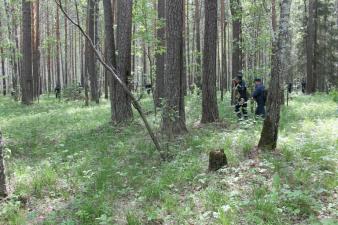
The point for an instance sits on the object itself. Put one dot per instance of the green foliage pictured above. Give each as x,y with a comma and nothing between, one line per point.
12,214
96,173
334,95
73,92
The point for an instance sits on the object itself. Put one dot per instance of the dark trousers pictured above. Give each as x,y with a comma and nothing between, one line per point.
260,110
242,107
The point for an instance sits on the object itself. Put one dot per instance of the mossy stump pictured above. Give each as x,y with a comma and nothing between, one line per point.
217,159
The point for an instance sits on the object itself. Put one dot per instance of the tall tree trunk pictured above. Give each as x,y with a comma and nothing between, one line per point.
310,47
58,43
198,75
209,90
273,15
223,79
174,114
36,50
91,59
124,29
3,189
110,50
236,12
3,73
49,58
184,67
27,77
269,135
160,56
66,75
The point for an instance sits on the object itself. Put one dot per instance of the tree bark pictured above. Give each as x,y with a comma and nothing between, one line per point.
269,135
160,56
198,74
36,50
310,47
110,50
209,92
58,44
91,59
3,189
66,74
123,111
174,113
27,77
236,12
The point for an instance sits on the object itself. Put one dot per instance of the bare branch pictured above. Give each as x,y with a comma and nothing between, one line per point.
114,73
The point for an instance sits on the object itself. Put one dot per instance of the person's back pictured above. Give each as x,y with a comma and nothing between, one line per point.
258,94
259,97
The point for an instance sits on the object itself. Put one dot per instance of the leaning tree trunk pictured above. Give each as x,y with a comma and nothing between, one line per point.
269,135
209,93
3,190
174,114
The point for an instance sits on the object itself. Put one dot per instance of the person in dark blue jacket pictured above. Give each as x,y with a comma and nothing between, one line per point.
259,97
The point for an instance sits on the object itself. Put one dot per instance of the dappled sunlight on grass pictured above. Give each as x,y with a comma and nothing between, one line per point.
94,170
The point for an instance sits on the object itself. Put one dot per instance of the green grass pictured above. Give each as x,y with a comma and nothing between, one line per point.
73,167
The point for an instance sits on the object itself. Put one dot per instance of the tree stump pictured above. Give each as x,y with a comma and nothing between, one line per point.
217,159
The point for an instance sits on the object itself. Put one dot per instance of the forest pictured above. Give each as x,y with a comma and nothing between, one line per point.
168,112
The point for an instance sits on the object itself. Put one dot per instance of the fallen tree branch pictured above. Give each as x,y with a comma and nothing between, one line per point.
114,72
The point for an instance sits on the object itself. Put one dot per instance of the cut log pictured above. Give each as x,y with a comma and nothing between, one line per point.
217,159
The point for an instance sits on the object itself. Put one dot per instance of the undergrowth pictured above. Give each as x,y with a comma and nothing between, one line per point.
69,165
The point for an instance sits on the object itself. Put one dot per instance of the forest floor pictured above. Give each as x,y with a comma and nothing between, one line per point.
67,165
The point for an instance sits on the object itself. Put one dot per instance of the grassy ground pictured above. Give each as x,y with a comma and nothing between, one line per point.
67,165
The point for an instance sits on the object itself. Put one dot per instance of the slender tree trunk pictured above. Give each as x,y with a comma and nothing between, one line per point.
223,79
3,189
49,58
310,48
36,50
58,43
273,15
91,59
209,90
236,12
269,135
184,67
160,56
174,114
198,75
66,75
3,72
27,77
237,55
110,50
